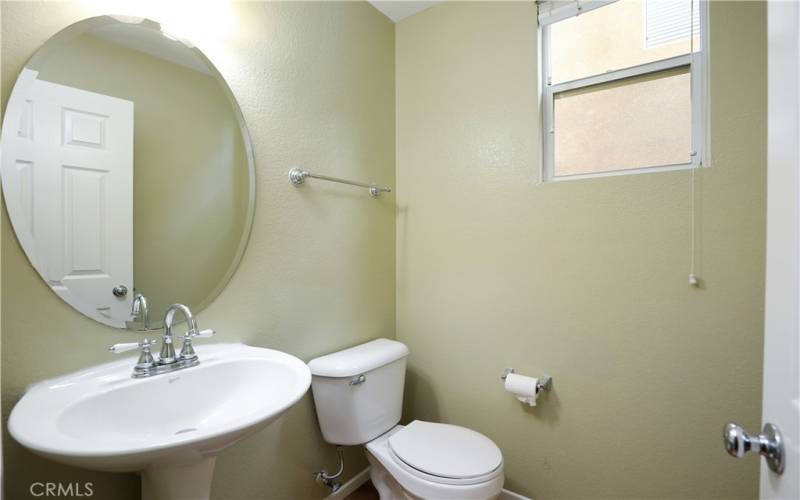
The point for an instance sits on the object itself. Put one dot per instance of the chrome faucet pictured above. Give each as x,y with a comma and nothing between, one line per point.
139,310
167,355
167,360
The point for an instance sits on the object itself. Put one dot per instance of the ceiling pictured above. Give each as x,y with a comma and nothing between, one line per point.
400,9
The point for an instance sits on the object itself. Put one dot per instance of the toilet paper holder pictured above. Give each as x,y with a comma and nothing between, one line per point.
544,383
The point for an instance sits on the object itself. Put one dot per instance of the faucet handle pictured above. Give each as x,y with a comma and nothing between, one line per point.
129,346
187,351
203,333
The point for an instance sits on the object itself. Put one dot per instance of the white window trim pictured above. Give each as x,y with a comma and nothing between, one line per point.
554,11
698,62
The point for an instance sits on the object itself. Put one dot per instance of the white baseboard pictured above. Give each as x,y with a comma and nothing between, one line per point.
362,477
350,486
510,495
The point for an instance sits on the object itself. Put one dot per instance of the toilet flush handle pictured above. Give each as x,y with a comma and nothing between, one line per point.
358,380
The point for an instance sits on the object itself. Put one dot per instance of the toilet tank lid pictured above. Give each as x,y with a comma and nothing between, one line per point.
359,359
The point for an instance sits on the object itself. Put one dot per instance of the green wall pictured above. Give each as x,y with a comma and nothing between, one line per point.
316,85
585,280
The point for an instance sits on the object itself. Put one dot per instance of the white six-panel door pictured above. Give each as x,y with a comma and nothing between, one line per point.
68,178
781,400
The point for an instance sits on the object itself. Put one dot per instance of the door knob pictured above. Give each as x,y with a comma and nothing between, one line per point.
120,291
769,444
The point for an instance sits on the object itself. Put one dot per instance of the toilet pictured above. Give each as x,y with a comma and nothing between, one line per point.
358,393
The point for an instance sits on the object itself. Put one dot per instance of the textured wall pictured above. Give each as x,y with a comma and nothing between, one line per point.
316,86
585,279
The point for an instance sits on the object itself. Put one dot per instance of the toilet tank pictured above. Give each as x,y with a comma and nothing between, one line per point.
358,392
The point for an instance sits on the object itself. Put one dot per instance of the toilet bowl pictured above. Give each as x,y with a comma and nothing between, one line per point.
358,395
435,461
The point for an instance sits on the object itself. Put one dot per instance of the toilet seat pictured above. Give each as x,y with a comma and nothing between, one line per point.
446,454
390,471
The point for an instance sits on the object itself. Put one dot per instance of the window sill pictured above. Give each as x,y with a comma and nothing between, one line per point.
629,171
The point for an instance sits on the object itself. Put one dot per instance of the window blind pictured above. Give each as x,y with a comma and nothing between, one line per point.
670,20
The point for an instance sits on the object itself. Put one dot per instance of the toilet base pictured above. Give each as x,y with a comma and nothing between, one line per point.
387,486
383,470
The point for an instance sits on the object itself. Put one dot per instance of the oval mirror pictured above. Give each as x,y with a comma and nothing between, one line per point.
126,170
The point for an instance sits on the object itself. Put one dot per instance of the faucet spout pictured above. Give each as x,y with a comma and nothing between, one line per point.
167,355
139,309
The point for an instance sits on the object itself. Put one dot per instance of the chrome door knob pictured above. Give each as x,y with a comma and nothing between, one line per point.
120,291
769,444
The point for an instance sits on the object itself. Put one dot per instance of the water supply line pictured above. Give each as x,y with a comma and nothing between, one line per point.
329,480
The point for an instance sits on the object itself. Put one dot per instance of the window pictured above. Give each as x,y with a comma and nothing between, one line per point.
623,86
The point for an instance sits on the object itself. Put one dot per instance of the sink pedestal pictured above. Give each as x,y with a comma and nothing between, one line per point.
179,481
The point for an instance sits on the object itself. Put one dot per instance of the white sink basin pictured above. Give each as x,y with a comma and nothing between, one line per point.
169,426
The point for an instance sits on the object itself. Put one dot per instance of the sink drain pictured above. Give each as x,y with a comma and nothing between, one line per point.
184,431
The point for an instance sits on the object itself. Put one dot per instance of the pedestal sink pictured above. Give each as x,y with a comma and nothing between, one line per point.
169,427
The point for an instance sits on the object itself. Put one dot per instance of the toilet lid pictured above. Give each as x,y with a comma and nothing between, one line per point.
445,450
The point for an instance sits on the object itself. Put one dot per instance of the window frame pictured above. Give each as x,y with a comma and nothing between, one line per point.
698,70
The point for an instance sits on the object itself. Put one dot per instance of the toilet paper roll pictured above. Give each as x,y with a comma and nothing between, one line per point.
523,387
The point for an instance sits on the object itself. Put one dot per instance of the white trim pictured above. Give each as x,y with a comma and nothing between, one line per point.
621,74
623,171
510,495
350,486
698,64
548,140
541,63
701,82
550,12
362,477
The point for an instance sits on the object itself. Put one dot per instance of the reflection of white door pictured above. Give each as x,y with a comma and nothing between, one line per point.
68,178
781,404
